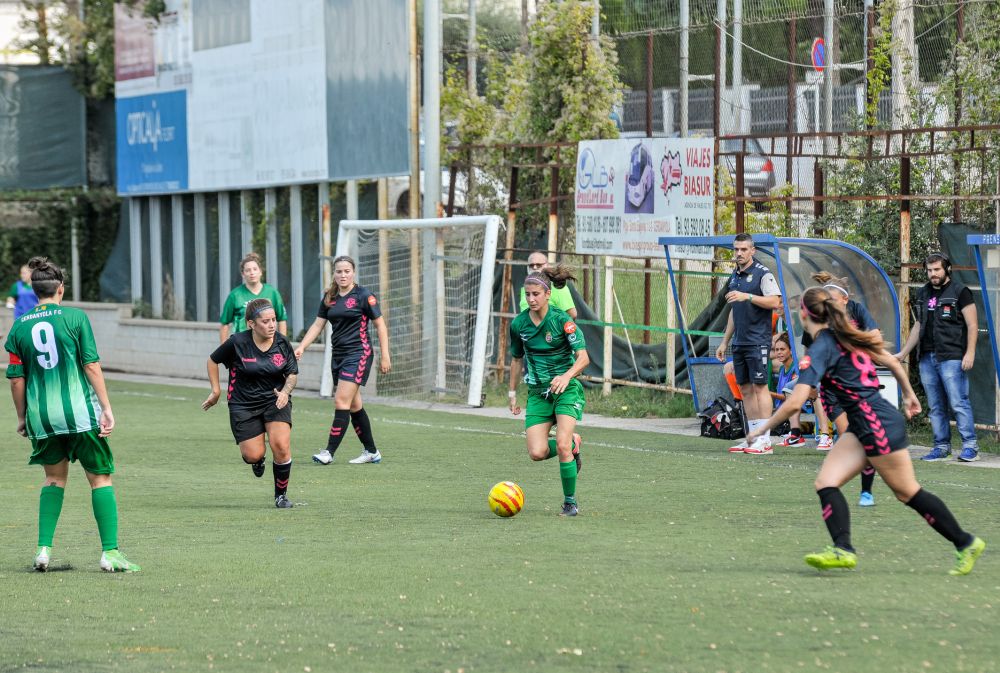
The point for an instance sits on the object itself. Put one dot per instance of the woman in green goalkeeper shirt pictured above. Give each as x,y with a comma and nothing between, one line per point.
233,318
63,408
545,341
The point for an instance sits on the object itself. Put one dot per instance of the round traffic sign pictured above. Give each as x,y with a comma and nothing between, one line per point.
819,54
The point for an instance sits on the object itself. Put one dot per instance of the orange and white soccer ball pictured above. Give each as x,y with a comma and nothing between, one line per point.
506,499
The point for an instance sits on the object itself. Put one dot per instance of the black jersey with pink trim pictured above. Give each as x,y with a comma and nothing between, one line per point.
254,374
350,317
850,379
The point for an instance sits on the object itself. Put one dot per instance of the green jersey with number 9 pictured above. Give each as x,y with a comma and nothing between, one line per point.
48,348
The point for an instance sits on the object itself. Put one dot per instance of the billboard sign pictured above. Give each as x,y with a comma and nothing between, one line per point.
274,93
134,47
630,192
151,143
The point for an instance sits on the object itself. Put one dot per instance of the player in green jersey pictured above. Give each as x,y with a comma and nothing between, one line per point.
233,317
545,341
62,406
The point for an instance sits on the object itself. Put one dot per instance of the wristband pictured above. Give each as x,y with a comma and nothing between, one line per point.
511,394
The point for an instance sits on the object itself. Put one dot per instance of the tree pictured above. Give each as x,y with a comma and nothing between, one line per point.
80,38
562,89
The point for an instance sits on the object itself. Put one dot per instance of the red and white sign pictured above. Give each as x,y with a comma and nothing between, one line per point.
135,55
632,191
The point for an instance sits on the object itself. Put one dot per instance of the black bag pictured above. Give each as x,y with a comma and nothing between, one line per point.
721,420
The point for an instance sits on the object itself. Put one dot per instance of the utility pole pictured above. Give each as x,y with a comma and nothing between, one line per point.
904,63
472,50
432,107
685,20
595,22
720,54
828,73
737,96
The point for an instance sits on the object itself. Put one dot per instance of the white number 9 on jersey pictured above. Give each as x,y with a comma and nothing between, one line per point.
44,338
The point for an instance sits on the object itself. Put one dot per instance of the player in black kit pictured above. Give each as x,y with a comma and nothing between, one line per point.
843,358
351,310
262,374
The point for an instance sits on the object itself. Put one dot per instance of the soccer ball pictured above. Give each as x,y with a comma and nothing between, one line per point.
506,499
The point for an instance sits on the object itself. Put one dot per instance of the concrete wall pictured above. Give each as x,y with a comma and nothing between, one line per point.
165,347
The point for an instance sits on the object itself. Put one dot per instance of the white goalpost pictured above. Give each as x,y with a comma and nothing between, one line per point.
434,282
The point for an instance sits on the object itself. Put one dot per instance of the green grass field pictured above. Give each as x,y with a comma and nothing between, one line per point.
683,558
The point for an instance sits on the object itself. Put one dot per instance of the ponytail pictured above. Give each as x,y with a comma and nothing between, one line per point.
824,308
559,274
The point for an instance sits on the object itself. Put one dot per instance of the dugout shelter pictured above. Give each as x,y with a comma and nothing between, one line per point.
792,261
985,252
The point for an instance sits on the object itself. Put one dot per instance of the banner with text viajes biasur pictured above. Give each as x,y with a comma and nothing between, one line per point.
632,191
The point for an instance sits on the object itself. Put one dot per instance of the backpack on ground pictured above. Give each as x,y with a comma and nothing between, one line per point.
721,420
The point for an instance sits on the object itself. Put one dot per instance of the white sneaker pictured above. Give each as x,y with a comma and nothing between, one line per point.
739,448
760,447
366,457
42,559
324,457
825,443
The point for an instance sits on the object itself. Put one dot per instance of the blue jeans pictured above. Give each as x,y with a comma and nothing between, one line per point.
946,386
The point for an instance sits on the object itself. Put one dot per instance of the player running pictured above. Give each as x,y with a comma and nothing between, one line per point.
844,358
860,318
349,309
262,375
553,352
63,407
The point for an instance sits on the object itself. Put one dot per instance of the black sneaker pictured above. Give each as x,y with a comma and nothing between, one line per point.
569,509
577,443
258,468
282,502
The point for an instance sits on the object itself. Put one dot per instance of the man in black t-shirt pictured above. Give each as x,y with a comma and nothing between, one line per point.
946,328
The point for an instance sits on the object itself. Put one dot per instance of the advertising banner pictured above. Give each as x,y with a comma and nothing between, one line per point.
134,48
151,143
632,191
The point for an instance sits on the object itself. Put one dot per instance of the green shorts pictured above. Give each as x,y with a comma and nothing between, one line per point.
544,408
93,452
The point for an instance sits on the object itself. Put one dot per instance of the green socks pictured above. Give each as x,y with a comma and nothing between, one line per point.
567,472
552,448
106,513
50,504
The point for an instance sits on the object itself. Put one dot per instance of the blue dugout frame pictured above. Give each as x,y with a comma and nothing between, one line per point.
773,245
977,242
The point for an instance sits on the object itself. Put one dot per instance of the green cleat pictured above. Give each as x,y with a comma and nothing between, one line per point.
832,557
113,561
966,558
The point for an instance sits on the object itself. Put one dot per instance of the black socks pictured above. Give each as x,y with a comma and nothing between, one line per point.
937,514
363,428
836,516
341,418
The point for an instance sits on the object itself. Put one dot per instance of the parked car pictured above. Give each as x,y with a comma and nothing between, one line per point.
758,169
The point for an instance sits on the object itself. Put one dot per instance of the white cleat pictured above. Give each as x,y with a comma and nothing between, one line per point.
324,457
42,559
366,457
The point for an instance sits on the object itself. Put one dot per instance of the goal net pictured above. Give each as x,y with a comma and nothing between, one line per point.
434,282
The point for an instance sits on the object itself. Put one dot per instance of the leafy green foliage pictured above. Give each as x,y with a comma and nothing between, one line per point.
97,214
561,89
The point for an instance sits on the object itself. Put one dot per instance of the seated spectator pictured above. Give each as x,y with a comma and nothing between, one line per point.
784,375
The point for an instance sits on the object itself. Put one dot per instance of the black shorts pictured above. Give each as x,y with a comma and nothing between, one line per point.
750,364
830,405
880,428
353,367
247,424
